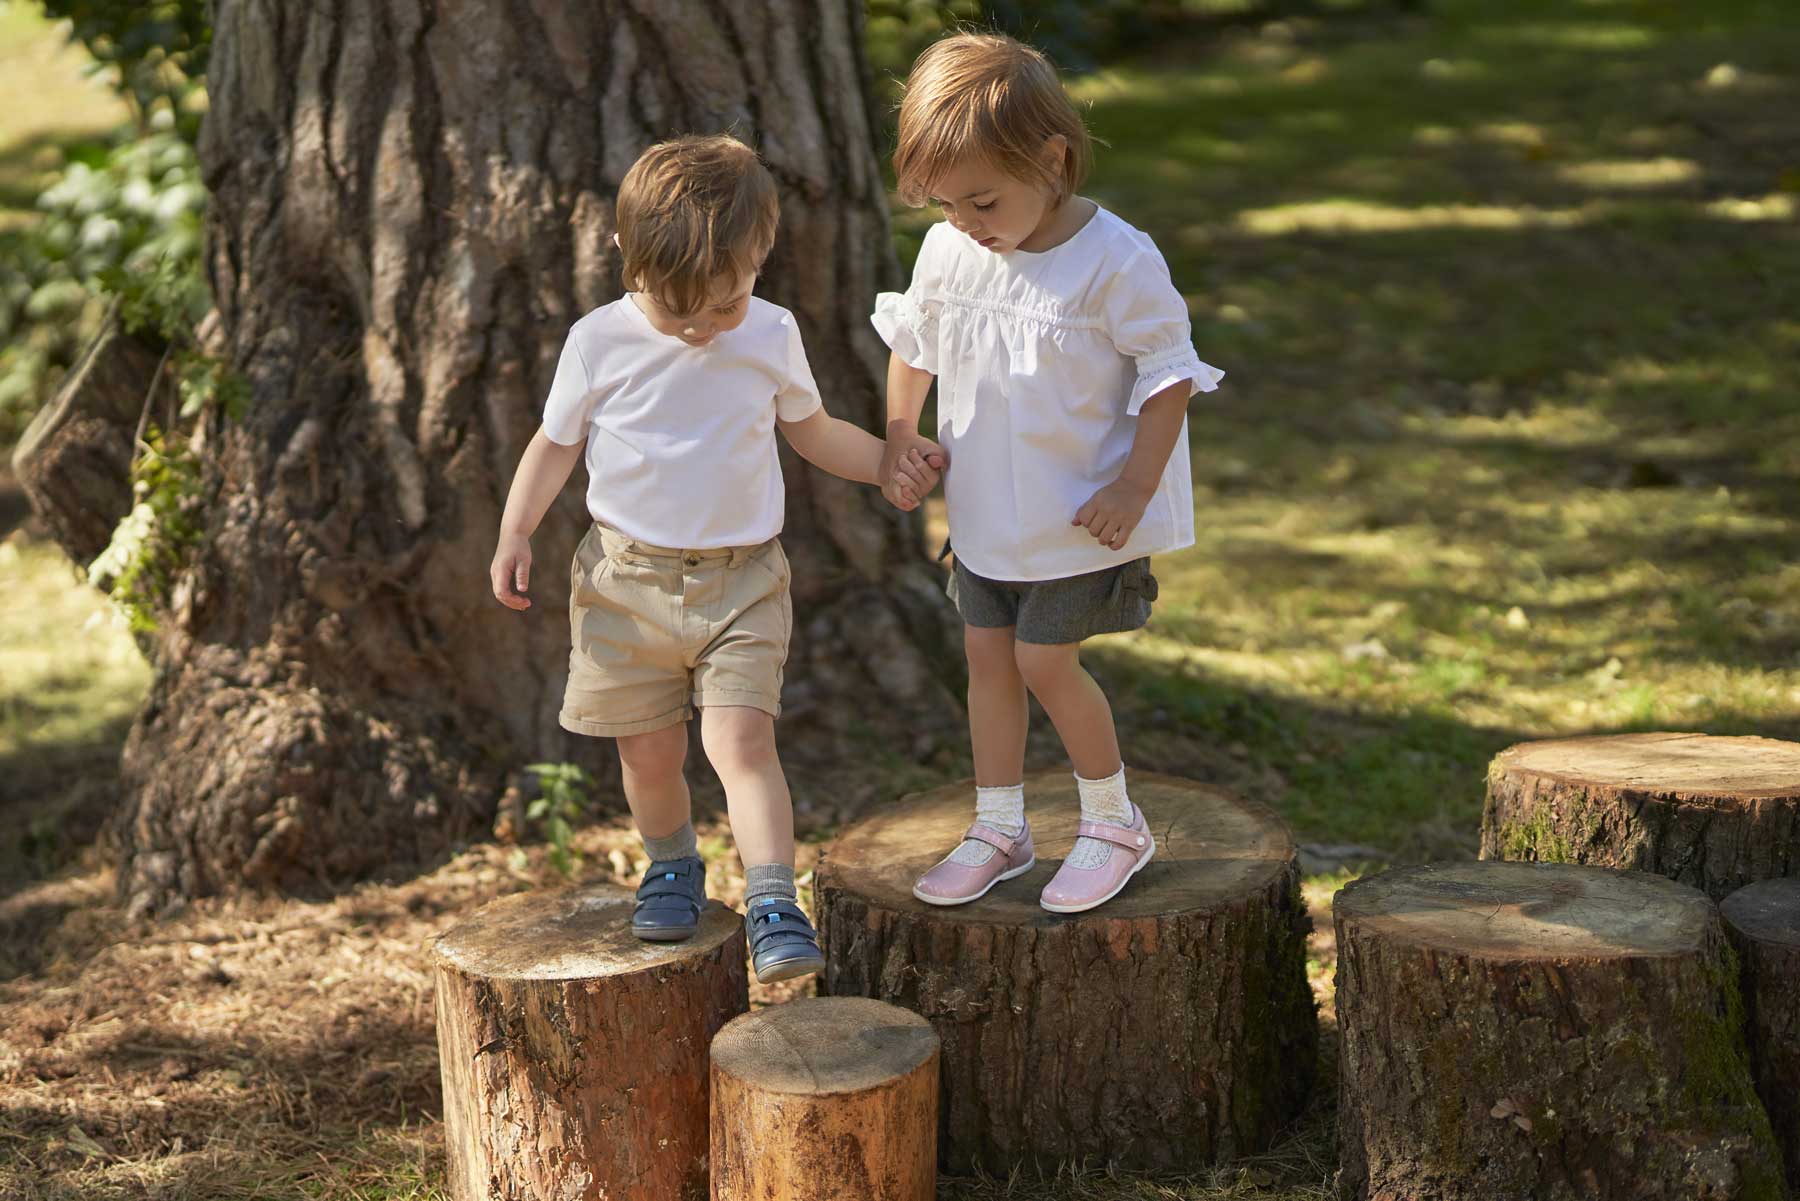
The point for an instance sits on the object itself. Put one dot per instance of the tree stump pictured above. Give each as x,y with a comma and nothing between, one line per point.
823,1098
1763,921
74,460
1167,1029
1717,813
575,1055
1542,1031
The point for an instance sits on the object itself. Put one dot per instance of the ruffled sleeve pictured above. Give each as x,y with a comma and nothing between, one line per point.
908,321
1148,321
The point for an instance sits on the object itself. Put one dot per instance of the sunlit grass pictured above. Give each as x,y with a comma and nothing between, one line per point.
46,102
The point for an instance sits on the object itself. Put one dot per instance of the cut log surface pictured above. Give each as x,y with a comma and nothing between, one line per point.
1171,1027
574,1055
823,1098
1764,922
1545,1032
1711,811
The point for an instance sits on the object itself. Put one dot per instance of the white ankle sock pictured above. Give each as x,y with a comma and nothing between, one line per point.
1002,808
1101,801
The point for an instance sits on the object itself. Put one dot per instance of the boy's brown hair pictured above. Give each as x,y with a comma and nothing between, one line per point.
693,209
987,96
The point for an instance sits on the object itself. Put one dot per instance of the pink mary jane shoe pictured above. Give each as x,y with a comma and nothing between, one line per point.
951,883
1076,890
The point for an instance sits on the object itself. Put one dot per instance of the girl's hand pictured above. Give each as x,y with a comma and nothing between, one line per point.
511,566
1113,512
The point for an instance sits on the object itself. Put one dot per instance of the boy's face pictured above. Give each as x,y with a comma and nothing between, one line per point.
727,302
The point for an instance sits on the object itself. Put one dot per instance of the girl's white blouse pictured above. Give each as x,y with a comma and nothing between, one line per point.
1042,362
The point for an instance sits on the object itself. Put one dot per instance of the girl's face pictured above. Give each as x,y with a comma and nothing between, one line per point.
998,211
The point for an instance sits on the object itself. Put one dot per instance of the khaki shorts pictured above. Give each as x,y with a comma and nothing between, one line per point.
657,631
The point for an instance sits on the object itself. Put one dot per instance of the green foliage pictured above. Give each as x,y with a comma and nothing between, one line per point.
123,221
157,52
563,798
139,566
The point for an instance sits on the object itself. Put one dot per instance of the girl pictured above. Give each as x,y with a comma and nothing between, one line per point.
1064,365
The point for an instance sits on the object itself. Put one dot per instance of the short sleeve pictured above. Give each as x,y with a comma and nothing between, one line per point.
907,321
571,400
1148,321
799,395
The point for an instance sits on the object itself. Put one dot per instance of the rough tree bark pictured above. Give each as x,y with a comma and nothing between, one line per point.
411,203
1170,1028
575,1056
1763,921
1714,812
1542,1031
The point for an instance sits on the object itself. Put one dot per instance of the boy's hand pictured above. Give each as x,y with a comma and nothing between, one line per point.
1113,512
511,566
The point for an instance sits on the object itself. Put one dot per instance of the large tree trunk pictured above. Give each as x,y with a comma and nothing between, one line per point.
412,202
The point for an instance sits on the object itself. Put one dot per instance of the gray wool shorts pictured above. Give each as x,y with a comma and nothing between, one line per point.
1052,612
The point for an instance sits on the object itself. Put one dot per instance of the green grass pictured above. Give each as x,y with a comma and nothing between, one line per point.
47,105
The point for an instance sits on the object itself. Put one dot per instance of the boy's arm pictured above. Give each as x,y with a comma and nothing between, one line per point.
1113,512
543,470
855,454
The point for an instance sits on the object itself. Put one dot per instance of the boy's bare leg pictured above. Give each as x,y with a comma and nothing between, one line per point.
654,786
1077,707
740,744
999,709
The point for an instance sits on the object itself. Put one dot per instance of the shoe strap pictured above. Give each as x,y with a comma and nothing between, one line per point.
1124,836
777,918
671,878
1004,843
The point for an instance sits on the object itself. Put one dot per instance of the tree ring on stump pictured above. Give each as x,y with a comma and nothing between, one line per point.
1169,1028
1541,1030
1712,811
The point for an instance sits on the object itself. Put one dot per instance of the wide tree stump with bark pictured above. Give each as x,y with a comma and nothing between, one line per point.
575,1055
74,460
1764,923
823,1098
1714,812
1542,1031
1169,1028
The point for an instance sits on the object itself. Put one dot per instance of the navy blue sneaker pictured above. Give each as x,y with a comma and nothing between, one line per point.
670,899
782,942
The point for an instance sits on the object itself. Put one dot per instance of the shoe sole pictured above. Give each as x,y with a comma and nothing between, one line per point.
665,933
789,969
1148,856
1014,874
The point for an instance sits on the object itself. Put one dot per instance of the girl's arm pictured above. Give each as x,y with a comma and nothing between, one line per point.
907,387
1112,513
543,470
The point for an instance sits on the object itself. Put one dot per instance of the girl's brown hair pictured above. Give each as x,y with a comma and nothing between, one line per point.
987,96
691,210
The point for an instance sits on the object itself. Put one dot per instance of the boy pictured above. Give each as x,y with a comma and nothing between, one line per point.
680,588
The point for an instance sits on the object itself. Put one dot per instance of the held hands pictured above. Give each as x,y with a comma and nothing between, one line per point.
511,566
911,465
1113,512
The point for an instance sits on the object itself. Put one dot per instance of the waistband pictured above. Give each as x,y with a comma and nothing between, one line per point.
614,542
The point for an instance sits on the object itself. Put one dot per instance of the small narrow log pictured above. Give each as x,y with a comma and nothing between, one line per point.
824,1098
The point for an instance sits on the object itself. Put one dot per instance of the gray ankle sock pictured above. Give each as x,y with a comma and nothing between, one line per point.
769,880
679,845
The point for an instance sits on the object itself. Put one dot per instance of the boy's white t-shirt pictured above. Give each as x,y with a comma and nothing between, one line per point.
1043,361
681,439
